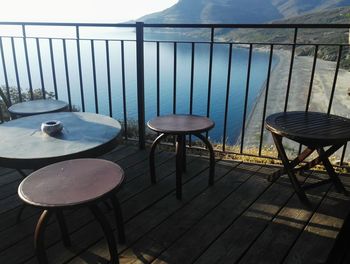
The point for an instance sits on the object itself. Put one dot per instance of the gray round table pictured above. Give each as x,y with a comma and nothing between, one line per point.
24,146
36,107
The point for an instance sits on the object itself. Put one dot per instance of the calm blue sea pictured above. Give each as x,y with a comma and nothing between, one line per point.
183,78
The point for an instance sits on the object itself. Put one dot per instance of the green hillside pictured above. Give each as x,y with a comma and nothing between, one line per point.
337,36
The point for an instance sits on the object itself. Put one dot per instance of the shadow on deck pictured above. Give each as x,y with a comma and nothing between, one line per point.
243,218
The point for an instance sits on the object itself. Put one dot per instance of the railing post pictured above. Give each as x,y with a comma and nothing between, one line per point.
140,84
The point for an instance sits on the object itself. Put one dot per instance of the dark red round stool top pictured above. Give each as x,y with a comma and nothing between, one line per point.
180,124
71,182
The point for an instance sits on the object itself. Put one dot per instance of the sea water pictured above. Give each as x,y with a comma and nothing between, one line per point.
216,87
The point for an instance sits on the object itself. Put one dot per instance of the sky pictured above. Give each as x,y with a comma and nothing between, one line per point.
79,10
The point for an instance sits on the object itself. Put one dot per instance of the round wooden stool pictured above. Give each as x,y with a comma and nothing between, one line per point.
69,184
180,126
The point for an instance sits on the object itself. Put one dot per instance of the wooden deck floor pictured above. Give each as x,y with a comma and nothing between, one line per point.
243,218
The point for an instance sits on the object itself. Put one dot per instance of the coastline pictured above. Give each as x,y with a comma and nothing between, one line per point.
299,88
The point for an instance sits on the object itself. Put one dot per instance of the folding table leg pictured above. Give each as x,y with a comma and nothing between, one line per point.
329,168
289,169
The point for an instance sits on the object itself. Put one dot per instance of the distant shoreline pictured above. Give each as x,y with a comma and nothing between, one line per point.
320,96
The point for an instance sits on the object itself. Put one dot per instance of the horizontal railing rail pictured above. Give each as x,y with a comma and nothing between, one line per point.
136,76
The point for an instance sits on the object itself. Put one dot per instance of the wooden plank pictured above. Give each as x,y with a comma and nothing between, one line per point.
184,250
319,236
276,240
231,245
9,189
161,237
120,152
4,171
9,177
163,188
159,226
142,167
143,182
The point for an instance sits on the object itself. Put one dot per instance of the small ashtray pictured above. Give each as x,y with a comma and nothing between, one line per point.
51,127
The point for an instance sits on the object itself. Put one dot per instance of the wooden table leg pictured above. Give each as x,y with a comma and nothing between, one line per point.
151,157
108,233
332,174
289,169
39,243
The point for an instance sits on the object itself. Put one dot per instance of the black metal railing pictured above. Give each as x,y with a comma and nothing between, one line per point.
109,74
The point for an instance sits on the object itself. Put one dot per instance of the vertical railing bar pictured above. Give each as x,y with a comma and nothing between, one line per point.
210,69
343,155
53,68
291,68
67,74
174,76
192,77
109,79
77,32
310,87
158,80
335,79
1,115
94,74
5,71
266,96
24,33
40,68
246,96
312,79
192,84
16,69
212,32
227,96
140,83
124,88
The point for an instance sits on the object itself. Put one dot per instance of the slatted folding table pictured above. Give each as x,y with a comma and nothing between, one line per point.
316,131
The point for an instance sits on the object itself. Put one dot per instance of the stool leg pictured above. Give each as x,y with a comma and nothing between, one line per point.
118,218
39,235
184,154
112,246
64,229
179,165
212,157
278,142
151,158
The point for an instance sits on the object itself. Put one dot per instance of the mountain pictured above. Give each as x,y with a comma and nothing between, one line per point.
337,36
238,11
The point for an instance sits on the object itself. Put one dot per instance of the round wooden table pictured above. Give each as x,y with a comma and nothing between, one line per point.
70,184
84,135
315,131
180,126
36,107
